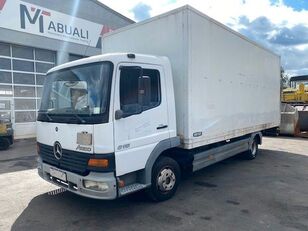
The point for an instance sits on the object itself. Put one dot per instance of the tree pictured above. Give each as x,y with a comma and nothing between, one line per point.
284,79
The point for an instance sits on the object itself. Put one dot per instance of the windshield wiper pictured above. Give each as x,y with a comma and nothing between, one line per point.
71,113
74,113
81,120
47,115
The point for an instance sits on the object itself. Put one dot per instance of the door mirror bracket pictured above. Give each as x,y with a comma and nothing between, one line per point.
118,114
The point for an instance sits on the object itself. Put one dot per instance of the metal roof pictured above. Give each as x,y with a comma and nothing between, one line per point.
299,78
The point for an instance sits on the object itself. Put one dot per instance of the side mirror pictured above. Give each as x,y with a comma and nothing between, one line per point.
118,114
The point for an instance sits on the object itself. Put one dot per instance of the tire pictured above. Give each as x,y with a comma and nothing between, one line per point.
4,143
166,176
252,151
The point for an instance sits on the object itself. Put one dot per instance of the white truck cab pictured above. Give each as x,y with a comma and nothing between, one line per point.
129,112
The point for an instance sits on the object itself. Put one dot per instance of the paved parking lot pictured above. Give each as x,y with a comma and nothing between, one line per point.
269,193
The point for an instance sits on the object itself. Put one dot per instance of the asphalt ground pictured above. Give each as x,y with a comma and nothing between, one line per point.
268,193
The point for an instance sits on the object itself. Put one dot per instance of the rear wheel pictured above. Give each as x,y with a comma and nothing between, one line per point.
165,179
4,143
252,151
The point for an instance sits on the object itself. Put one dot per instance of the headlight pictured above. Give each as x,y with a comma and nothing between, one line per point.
95,185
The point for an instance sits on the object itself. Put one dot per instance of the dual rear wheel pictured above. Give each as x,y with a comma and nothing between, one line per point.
253,150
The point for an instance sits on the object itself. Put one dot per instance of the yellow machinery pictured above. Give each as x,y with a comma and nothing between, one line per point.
294,110
300,95
6,133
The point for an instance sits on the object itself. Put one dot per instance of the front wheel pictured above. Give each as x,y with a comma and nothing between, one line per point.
166,175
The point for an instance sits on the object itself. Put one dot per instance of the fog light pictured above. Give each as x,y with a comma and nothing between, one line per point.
95,185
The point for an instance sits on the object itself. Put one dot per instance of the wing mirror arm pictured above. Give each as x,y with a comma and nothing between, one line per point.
119,114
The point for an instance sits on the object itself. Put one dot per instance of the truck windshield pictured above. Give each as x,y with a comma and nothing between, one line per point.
77,94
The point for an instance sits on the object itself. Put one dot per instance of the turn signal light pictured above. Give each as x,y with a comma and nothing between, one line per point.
99,163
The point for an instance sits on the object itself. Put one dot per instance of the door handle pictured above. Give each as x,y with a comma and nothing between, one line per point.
162,127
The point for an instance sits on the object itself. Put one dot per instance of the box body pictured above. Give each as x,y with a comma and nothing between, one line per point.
225,85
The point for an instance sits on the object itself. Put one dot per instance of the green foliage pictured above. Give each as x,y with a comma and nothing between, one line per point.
284,79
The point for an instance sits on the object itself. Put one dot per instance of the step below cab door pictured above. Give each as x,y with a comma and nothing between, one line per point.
140,116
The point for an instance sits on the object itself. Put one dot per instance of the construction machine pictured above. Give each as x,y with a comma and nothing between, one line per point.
6,132
294,109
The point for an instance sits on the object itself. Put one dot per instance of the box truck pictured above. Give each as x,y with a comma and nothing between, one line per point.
169,95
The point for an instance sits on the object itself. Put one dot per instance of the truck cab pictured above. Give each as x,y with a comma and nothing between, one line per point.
103,122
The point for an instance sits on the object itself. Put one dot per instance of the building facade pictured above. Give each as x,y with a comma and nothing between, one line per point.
36,35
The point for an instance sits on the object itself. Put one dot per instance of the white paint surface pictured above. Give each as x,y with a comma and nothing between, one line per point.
225,85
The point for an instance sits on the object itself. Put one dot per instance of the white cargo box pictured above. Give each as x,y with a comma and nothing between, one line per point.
225,85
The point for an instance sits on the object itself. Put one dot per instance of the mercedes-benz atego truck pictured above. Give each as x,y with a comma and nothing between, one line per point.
168,96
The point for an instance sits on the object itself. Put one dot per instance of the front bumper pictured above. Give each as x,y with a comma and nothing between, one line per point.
74,182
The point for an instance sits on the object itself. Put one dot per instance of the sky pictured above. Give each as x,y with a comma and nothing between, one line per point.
279,25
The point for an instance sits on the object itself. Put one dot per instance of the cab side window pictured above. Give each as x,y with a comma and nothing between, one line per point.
139,90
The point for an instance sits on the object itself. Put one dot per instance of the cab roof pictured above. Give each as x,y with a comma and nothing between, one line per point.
114,57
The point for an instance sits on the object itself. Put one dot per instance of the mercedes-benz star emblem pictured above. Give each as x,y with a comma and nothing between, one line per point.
57,150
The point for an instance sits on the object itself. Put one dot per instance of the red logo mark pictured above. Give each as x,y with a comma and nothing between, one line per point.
46,13
105,30
2,3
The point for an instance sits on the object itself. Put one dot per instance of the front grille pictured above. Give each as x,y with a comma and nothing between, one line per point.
72,161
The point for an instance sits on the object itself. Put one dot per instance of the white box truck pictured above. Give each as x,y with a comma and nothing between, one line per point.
170,95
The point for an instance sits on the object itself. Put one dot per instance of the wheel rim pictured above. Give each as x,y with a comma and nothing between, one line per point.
254,148
166,179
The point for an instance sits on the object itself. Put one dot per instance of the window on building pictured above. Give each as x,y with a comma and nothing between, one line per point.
43,67
24,91
24,78
25,116
39,92
73,57
6,90
5,105
22,75
25,104
5,64
139,90
22,52
5,49
45,55
40,79
21,65
5,77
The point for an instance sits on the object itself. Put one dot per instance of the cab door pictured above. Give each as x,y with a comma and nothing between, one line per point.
141,118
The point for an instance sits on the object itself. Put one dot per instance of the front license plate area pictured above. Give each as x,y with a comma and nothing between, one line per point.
57,174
